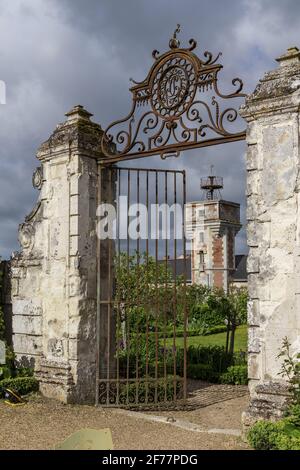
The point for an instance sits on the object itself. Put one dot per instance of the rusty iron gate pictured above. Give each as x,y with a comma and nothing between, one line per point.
143,289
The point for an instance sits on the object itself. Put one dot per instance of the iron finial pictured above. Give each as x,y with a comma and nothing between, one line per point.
174,42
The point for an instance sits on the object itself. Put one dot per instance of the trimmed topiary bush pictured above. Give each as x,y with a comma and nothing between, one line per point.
21,385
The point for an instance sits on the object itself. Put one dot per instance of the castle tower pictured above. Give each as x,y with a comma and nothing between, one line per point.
212,225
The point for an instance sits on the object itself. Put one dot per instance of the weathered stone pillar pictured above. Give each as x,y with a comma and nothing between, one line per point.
273,213
55,276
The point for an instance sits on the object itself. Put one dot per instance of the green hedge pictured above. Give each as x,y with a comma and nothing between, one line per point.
163,388
213,330
202,372
235,375
21,385
204,362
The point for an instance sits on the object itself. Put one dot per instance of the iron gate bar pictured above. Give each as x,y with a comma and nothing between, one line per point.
156,288
177,117
175,294
184,298
176,148
115,309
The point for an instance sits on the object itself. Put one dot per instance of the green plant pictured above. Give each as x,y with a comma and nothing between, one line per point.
24,372
236,375
5,372
284,434
293,414
21,385
286,442
216,356
290,368
163,389
265,435
202,372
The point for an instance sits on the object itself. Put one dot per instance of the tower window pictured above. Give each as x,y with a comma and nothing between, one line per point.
201,257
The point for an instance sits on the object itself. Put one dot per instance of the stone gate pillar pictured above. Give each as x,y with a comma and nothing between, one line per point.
54,278
273,213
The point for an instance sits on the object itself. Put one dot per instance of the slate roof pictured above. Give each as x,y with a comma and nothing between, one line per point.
240,273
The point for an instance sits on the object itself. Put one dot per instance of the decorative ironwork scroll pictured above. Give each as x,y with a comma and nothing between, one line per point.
178,106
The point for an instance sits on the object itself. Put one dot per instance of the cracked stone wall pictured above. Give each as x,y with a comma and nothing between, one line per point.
273,214
54,285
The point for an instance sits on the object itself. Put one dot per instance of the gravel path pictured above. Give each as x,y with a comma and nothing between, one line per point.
43,423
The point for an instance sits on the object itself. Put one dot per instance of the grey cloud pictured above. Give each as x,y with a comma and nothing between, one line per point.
57,53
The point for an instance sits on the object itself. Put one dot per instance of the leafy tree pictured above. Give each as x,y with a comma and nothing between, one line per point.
237,313
150,302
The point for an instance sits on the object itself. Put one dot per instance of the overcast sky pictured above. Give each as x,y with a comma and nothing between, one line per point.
58,53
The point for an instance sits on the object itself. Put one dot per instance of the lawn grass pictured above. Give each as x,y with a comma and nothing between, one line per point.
218,339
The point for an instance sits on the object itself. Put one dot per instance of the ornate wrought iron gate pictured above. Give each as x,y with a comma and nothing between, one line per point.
141,298
143,289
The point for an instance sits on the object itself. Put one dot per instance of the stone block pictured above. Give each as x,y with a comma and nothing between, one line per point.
27,325
253,313
254,340
253,261
74,190
29,306
252,207
279,178
253,183
74,205
74,245
24,344
257,288
253,131
252,158
254,366
74,225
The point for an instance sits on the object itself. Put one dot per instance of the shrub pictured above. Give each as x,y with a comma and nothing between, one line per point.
293,414
21,385
240,358
290,369
265,435
215,330
5,372
207,362
202,372
285,434
236,375
215,356
24,372
163,388
286,442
